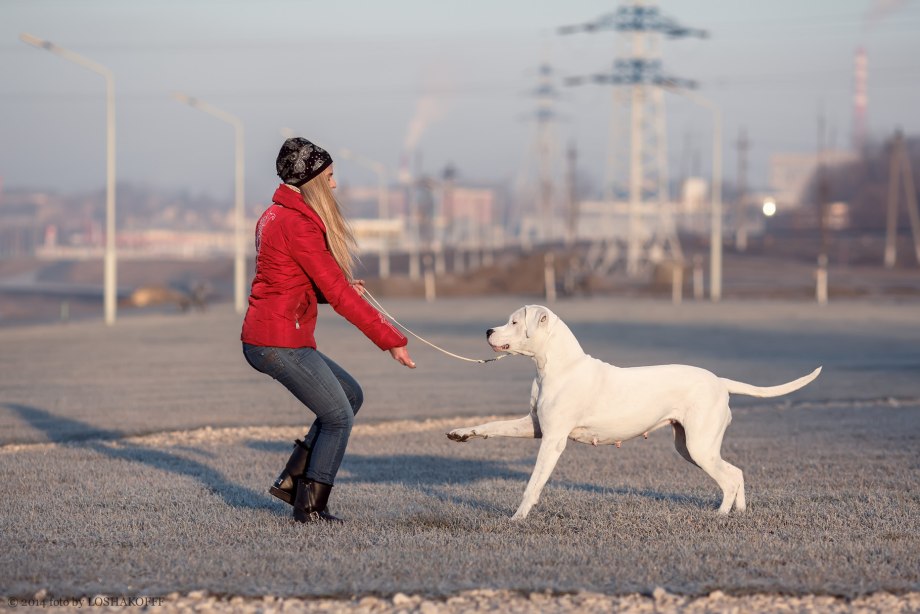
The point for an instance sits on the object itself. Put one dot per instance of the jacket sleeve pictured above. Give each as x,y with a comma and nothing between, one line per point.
308,248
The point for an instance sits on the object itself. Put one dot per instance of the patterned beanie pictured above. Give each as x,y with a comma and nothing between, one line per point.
299,161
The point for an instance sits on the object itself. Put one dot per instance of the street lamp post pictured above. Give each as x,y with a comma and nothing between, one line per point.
715,226
239,263
109,259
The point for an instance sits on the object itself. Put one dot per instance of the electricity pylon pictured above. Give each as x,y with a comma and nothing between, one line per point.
543,152
639,68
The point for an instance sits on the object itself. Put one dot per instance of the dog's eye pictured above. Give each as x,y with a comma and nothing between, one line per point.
513,322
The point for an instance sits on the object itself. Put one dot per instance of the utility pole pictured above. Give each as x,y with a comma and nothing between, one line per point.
571,235
409,183
860,100
640,70
448,177
546,147
900,167
741,230
823,187
822,198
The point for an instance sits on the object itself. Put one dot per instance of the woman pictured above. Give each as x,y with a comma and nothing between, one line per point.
305,251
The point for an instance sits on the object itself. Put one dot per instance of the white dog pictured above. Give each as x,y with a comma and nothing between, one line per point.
575,396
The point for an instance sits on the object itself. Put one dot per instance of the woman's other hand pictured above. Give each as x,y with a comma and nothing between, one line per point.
358,285
401,355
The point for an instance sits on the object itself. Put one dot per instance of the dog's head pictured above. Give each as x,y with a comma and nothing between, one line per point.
526,331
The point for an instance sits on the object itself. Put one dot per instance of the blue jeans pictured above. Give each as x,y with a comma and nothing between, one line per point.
324,388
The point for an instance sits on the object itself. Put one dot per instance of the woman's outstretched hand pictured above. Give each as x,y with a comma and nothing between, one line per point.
358,285
401,355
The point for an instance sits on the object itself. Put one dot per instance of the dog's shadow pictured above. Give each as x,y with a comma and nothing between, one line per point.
434,475
426,473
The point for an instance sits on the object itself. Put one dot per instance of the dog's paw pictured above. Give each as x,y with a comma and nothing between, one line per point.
461,434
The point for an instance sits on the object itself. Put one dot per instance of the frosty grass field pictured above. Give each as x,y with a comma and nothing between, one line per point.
135,461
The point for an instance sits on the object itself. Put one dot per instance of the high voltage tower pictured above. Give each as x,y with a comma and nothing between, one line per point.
638,67
543,151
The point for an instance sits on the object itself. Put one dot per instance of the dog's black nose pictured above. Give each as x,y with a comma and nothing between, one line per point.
489,333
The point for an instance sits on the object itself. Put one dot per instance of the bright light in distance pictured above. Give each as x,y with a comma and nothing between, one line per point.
769,207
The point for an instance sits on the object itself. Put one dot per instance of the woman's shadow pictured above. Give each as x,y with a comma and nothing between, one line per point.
67,431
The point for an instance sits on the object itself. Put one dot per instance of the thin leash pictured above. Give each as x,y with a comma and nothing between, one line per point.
373,301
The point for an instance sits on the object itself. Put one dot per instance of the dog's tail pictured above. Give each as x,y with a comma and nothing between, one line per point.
769,391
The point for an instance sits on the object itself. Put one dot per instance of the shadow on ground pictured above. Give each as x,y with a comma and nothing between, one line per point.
68,431
429,473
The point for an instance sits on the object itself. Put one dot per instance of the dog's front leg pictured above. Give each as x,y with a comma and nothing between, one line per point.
527,427
550,451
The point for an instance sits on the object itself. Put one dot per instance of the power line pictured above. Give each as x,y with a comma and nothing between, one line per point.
817,20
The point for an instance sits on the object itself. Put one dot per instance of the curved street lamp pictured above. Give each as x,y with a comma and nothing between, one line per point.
383,203
239,261
715,224
109,266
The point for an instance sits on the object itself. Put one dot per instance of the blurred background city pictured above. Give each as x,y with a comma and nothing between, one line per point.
694,150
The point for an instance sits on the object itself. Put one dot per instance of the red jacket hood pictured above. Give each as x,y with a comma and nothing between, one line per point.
291,198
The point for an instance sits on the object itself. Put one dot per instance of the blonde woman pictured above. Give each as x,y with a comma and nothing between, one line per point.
305,253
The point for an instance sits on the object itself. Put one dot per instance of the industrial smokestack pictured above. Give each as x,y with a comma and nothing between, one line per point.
428,110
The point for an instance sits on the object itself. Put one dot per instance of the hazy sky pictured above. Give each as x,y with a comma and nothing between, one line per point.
453,76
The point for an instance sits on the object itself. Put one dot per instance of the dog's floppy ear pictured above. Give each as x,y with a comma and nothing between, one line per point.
534,317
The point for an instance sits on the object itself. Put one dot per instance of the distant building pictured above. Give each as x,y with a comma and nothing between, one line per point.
791,175
21,225
694,196
18,230
445,212
600,220
471,206
372,233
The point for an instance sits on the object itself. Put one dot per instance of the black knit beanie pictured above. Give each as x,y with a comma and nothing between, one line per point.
299,161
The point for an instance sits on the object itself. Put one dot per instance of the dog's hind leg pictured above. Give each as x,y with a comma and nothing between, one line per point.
680,442
550,451
703,442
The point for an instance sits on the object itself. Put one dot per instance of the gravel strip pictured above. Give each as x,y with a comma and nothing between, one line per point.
483,600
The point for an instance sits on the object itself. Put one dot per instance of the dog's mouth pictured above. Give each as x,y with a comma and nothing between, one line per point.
501,348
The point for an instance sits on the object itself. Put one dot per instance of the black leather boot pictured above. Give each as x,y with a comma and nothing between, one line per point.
285,486
310,504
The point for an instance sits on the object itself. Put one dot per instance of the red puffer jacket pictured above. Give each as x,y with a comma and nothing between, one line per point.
293,263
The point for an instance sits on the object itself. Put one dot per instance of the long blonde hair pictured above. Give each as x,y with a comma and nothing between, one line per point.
340,239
